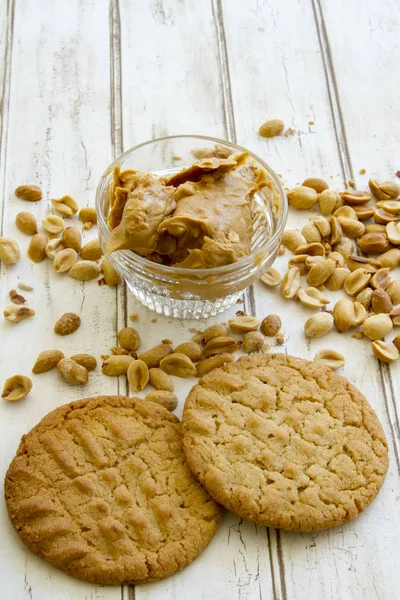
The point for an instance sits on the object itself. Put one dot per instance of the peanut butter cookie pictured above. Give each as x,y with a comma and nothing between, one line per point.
100,488
284,442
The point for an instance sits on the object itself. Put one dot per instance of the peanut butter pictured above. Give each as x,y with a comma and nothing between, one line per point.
198,218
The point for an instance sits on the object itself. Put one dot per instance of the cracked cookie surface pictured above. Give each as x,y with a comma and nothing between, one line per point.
284,442
100,488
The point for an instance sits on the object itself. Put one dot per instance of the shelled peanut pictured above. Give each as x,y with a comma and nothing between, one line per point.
353,245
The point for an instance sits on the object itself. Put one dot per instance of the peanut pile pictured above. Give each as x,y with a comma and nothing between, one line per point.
352,245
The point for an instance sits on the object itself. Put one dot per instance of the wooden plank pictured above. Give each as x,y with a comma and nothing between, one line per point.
372,133
293,86
57,135
171,84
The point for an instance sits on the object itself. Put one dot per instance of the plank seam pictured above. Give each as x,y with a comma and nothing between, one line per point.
116,122
228,109
230,131
274,591
348,173
5,101
333,92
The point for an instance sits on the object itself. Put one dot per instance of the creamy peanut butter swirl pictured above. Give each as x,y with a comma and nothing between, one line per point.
198,218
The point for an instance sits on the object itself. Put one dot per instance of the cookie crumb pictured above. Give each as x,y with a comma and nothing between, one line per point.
351,183
154,320
362,171
311,122
288,132
280,339
133,316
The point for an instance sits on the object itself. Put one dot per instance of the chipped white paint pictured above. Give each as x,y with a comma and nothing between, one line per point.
218,68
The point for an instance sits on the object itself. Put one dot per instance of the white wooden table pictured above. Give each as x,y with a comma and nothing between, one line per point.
82,80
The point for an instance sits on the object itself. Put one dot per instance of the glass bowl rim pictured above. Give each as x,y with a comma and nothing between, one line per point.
242,262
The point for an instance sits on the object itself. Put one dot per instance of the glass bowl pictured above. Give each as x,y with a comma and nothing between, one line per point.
193,293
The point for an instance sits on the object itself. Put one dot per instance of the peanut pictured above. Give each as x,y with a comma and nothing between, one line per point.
67,324
243,324
138,375
16,387
192,350
114,366
31,193
165,398
66,206
160,380
318,325
330,358
26,222
9,251
129,339
71,372
47,360
302,197
37,247
153,357
213,362
178,364
85,360
377,326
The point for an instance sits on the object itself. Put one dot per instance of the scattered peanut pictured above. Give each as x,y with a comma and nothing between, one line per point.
356,281
220,345
271,128
377,326
114,366
37,247
9,251
111,276
330,358
178,364
67,324
87,214
92,250
85,360
252,341
16,387
15,313
84,270
16,298
385,351
302,197
72,238
270,325
47,360
160,380
138,375
318,325
153,357
312,297
31,193
271,278
53,224
165,398
66,206
292,239
192,350
243,324
291,283
213,362
71,372
214,331
53,247
64,260
129,339
319,185
26,222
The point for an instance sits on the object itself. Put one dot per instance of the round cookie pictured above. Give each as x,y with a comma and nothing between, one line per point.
100,488
284,442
